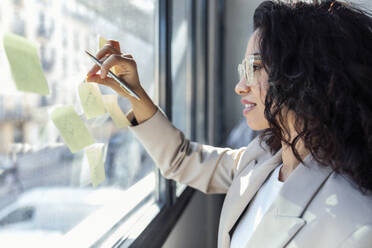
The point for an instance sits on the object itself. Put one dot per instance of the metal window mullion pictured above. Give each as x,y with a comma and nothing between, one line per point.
205,11
212,79
201,71
215,69
167,188
190,70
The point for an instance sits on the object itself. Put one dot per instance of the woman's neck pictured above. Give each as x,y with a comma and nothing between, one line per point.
290,162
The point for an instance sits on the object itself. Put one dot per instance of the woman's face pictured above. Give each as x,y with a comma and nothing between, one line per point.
253,90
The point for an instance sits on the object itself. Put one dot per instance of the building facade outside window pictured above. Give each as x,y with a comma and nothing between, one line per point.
45,190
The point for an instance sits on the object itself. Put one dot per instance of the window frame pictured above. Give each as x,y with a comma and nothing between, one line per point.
163,214
157,231
205,37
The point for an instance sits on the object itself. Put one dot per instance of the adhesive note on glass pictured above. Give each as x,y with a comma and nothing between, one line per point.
72,128
101,42
95,155
91,100
25,65
111,104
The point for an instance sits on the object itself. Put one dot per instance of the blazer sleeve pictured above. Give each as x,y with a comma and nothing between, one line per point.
203,167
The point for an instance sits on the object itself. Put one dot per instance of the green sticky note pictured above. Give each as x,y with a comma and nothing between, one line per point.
72,128
25,64
91,100
112,106
95,155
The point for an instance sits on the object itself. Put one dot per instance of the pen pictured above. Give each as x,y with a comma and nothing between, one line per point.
121,83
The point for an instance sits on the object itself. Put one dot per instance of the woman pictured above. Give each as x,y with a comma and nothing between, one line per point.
306,80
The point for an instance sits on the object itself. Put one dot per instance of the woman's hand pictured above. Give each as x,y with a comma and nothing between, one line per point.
125,68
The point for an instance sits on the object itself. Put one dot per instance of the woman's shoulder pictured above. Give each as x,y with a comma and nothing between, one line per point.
346,188
341,197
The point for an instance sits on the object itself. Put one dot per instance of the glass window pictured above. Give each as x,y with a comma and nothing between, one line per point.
44,188
179,87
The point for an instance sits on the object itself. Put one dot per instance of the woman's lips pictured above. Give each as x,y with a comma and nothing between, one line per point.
248,106
244,102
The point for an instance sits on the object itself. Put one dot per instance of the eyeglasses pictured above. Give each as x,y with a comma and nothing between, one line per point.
248,66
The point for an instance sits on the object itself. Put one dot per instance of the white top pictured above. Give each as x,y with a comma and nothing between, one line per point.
256,210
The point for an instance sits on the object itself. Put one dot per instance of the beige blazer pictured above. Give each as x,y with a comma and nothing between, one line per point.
315,207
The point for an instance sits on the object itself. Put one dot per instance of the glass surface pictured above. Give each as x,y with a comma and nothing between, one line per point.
179,53
179,49
45,190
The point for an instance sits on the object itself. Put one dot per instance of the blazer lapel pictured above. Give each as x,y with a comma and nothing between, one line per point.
283,219
241,192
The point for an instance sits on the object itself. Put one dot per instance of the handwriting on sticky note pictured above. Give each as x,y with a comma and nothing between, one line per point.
95,155
112,106
25,64
72,128
91,100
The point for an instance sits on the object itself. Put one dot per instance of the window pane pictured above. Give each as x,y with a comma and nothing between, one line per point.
179,48
179,53
45,190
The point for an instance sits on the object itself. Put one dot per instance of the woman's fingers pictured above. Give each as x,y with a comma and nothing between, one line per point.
113,60
97,79
108,82
115,44
107,49
111,47
124,65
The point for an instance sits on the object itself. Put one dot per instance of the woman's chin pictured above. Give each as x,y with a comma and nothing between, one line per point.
256,125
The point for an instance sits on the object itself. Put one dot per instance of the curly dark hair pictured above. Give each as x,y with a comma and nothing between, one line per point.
319,61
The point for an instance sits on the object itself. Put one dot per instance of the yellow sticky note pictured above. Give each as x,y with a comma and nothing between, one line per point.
72,128
101,42
95,155
25,65
91,100
112,106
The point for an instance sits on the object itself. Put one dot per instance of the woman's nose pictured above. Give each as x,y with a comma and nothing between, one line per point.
241,88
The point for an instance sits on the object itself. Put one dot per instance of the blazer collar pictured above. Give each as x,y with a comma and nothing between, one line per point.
241,191
283,219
